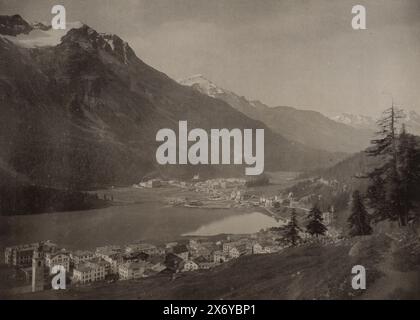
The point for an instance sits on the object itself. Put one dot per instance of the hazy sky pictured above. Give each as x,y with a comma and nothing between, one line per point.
300,53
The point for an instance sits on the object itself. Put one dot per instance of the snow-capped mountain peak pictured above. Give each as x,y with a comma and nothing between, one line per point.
34,35
37,35
202,84
412,116
356,121
411,120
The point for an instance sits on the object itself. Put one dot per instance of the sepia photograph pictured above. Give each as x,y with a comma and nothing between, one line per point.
197,150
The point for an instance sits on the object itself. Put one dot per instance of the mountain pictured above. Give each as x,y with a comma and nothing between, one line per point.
14,25
411,120
310,128
82,111
356,121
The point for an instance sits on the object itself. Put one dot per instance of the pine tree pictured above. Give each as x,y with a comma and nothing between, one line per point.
409,170
384,192
359,218
291,230
315,226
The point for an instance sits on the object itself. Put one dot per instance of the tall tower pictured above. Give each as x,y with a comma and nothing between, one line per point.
38,271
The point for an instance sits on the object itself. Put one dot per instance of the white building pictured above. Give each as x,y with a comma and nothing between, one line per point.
190,266
238,248
80,256
89,272
21,255
132,270
59,258
220,257
113,258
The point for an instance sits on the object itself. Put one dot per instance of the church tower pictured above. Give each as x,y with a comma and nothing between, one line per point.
38,271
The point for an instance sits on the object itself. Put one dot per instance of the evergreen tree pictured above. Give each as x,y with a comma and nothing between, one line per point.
376,195
409,170
316,226
291,230
384,192
359,218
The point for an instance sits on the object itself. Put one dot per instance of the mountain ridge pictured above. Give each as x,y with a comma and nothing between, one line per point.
411,119
84,114
308,127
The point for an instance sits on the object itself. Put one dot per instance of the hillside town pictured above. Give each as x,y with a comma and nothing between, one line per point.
135,260
34,262
132,261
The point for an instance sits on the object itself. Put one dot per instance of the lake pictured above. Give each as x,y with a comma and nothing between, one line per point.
149,220
239,224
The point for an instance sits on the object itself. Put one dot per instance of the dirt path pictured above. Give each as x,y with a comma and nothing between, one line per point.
393,284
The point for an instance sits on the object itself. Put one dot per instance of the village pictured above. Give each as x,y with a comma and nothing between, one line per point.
139,260
134,261
215,193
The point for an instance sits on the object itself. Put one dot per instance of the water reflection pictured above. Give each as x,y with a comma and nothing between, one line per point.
241,224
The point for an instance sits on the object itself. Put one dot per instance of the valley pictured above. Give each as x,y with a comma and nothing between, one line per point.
100,174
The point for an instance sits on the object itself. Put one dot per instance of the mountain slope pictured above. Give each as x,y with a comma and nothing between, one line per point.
307,127
84,113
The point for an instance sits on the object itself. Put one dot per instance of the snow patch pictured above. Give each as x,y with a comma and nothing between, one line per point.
42,38
204,85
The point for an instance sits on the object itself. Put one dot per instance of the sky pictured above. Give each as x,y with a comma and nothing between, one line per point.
301,53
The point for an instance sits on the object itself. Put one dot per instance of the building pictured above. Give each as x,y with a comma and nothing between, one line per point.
38,271
220,257
113,255
173,263
81,256
194,244
190,265
263,247
204,249
88,272
257,248
153,183
181,251
150,249
132,270
58,258
21,255
136,256
327,217
113,259
204,263
227,246
110,248
236,249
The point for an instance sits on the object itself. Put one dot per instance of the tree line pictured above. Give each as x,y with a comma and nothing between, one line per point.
393,191
394,186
